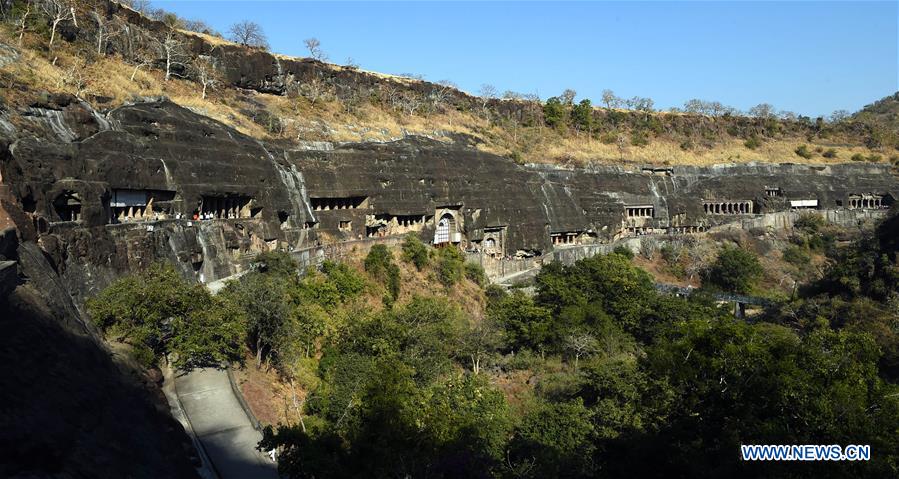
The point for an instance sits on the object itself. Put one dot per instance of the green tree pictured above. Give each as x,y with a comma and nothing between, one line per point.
414,251
346,280
158,312
554,113
209,336
737,383
735,271
558,438
526,324
450,265
278,263
265,300
379,264
611,283
479,342
582,116
475,273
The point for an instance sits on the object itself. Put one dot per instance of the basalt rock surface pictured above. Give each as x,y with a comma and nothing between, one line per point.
94,195
62,154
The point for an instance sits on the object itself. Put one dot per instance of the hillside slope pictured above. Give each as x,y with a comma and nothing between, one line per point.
277,97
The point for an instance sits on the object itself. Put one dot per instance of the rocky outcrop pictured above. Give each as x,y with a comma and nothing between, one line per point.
209,198
71,407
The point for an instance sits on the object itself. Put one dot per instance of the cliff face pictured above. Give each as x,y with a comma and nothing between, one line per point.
103,194
70,408
93,195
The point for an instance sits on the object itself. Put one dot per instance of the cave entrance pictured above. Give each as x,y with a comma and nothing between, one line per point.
229,207
446,228
68,206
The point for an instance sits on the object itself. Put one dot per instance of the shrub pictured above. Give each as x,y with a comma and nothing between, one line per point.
804,152
819,242
752,142
796,256
623,251
450,264
346,280
277,263
639,138
475,273
858,157
735,270
608,138
379,264
874,158
809,223
415,252
523,359
830,153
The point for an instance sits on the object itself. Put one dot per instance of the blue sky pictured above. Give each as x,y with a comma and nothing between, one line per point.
808,57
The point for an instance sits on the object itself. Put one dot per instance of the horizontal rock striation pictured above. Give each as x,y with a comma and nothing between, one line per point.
107,193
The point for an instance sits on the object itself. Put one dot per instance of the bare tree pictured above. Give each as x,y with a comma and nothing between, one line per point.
58,11
787,115
391,95
479,342
695,105
174,54
315,49
206,72
610,100
107,28
23,20
648,248
700,258
141,58
200,26
581,344
838,116
140,6
568,96
487,94
411,101
314,90
762,110
512,95
249,34
639,103
351,63
441,92
75,78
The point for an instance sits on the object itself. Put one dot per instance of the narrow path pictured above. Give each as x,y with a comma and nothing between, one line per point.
518,276
222,426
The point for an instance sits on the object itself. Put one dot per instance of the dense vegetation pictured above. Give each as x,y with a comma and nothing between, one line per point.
158,313
595,375
622,374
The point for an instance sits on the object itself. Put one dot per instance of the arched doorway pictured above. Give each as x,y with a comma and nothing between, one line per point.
445,227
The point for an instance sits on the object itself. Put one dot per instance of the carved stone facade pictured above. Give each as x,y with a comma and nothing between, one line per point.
213,197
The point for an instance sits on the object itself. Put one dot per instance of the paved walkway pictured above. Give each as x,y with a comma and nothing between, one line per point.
222,426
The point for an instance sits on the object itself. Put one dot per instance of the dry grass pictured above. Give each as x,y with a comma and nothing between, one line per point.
333,120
